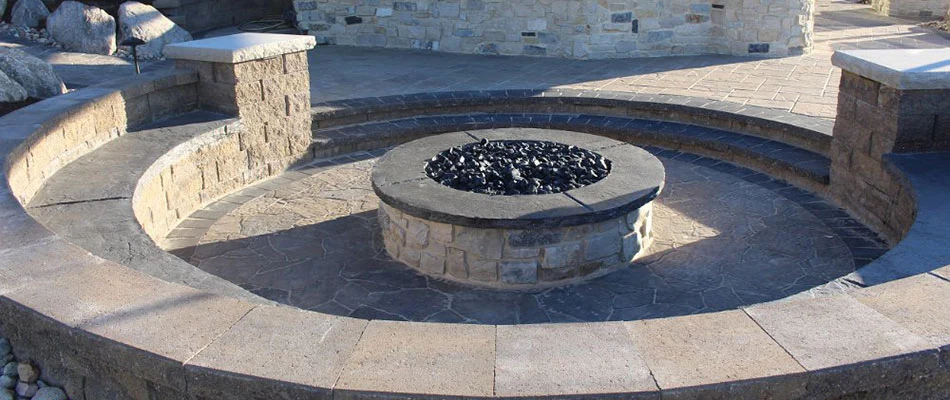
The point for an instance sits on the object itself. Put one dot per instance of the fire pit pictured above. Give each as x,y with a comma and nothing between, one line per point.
516,208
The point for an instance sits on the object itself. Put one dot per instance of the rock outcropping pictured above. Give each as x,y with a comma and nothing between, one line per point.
34,75
29,13
82,28
147,23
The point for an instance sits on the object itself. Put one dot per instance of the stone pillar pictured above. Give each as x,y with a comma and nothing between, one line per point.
262,79
890,101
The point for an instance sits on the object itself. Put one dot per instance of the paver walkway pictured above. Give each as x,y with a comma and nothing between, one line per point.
806,85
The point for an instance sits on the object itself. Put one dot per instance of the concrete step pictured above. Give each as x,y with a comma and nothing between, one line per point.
804,168
809,133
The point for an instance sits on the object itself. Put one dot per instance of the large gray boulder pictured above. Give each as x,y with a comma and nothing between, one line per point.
147,23
3,7
29,13
10,90
34,75
82,28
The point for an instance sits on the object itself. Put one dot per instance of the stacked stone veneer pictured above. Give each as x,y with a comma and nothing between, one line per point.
566,28
875,119
508,258
912,8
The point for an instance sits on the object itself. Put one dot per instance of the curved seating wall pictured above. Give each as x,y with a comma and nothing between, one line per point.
98,326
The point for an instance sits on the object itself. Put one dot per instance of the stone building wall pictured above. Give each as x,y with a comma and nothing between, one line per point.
203,15
578,29
912,8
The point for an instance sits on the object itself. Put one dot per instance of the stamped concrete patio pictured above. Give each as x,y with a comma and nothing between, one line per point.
725,237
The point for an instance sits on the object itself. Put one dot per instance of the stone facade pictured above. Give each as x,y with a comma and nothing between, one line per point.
873,120
515,258
203,15
579,29
912,8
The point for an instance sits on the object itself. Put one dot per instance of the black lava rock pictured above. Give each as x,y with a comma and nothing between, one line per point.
517,167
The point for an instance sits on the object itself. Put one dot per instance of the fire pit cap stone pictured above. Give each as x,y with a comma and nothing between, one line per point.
400,180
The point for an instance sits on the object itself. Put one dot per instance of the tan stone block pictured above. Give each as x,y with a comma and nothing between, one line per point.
295,62
711,348
417,234
432,261
410,256
248,93
276,87
249,71
298,103
218,97
480,269
204,69
486,243
439,360
455,263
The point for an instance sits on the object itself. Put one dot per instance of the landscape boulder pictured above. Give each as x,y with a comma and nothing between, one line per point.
29,13
142,21
10,91
82,28
34,75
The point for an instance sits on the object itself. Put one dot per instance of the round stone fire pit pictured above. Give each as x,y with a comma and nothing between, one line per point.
463,206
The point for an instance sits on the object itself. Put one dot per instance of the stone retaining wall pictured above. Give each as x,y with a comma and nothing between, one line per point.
88,119
911,8
875,119
188,177
512,257
578,29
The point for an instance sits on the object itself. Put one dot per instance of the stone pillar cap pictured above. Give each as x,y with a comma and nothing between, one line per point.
240,47
904,69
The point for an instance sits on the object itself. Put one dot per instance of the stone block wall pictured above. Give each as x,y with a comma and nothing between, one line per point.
189,176
89,119
203,15
513,257
580,29
874,120
912,8
272,98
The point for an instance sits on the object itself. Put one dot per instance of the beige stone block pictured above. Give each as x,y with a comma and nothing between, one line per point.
417,233
480,269
415,357
917,303
486,243
249,71
455,263
295,62
276,87
710,348
298,103
433,262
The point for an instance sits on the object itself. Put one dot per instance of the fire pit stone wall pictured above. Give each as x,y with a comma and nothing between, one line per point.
519,242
